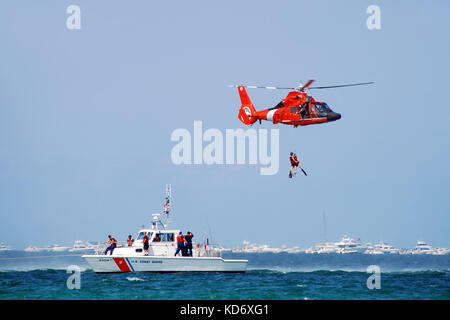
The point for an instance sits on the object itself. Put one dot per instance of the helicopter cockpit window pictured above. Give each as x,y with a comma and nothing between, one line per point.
322,109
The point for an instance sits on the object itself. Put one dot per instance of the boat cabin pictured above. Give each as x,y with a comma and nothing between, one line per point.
161,243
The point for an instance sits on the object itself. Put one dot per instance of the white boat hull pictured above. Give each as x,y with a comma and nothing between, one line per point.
115,263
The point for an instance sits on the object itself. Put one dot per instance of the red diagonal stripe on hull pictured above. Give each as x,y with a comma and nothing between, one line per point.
122,264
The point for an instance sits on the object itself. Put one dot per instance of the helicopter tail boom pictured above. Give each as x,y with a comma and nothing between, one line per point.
247,111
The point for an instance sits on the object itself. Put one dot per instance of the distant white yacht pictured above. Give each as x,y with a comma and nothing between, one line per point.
345,245
349,245
52,248
296,249
79,246
92,245
35,249
323,247
423,248
381,248
3,247
58,248
373,250
248,247
441,251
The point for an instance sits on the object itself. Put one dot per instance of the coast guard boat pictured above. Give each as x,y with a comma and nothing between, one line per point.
161,253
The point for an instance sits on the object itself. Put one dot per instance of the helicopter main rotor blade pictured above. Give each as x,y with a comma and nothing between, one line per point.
306,86
342,85
260,87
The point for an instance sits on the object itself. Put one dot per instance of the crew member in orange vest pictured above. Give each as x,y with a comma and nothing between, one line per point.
180,243
145,242
130,241
112,245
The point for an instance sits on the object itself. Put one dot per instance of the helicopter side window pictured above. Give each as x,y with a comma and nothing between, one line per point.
313,111
304,111
294,109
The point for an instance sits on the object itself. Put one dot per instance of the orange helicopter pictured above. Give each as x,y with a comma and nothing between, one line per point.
297,109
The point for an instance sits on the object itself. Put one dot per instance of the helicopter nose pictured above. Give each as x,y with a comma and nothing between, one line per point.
333,116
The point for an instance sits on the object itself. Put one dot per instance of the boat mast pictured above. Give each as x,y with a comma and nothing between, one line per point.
168,201
166,210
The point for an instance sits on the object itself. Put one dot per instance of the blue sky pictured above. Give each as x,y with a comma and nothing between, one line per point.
86,117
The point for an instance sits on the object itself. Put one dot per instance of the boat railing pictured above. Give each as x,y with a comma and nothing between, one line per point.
198,250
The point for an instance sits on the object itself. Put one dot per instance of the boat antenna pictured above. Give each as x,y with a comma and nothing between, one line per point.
167,202
209,231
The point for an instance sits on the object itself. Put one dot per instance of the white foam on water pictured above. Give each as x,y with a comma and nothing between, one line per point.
134,279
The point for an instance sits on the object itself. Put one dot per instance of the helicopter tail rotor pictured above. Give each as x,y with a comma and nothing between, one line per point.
247,111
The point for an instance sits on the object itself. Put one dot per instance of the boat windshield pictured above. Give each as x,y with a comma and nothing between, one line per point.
141,235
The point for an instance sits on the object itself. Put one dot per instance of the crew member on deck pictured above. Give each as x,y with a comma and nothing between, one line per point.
112,245
145,240
130,241
180,243
188,239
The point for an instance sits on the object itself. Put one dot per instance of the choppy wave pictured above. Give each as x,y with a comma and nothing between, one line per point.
256,284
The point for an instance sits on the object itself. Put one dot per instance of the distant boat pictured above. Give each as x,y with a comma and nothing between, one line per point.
345,246
34,249
3,247
79,246
248,247
349,245
423,247
381,248
58,248
52,248
323,247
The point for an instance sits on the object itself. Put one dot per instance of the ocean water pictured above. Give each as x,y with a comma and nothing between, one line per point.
269,276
